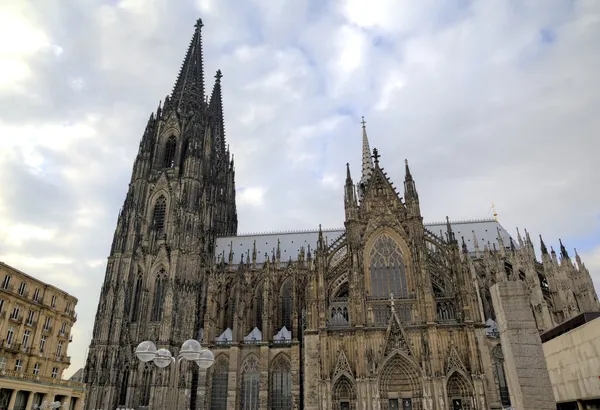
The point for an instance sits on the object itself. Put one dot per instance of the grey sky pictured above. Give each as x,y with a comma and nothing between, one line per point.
491,102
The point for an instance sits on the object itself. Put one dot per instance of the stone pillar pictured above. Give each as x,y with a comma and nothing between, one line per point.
13,398
525,365
30,400
312,372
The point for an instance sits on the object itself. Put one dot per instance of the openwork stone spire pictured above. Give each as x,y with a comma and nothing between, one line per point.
367,160
188,93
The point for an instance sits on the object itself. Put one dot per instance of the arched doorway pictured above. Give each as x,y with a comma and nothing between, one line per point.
344,395
460,392
400,385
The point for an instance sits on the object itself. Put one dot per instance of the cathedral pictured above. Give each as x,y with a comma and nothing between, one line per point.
387,312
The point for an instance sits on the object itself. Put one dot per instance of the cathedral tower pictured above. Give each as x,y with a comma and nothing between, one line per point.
181,197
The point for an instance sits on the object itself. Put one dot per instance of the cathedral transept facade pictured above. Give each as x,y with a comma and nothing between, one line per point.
385,313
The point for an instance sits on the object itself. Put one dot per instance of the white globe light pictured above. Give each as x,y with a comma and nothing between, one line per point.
207,358
191,349
163,358
146,351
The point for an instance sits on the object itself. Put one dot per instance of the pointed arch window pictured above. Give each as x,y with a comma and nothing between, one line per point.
158,217
258,307
123,389
286,305
170,149
250,384
280,385
388,273
146,386
160,288
219,383
135,306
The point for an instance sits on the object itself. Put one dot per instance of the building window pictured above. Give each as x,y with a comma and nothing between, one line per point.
63,329
2,362
18,365
135,306
22,288
123,389
146,386
68,308
47,323
6,282
1,305
30,317
219,382
281,385
36,295
36,369
500,376
54,372
15,313
42,343
250,384
170,149
26,335
388,273
10,335
59,348
160,288
158,218
53,303
286,306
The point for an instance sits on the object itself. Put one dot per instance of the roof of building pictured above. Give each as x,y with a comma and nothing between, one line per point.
569,325
290,242
4,266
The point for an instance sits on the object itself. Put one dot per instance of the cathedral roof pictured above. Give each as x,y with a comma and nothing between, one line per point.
290,242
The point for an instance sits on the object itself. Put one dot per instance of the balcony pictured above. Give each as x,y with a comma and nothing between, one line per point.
11,374
31,324
11,346
47,329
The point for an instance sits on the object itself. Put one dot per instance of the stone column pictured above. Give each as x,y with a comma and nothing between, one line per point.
526,371
30,400
13,398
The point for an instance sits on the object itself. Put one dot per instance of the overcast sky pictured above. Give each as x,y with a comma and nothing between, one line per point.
491,101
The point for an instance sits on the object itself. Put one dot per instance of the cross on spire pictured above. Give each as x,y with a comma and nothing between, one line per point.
363,122
199,23
376,156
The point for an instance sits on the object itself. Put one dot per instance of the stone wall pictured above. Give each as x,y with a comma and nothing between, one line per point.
524,361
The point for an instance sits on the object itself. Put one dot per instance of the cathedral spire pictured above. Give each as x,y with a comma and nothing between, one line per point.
215,109
543,246
188,93
367,160
563,251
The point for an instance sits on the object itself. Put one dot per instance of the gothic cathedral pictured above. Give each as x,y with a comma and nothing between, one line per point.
385,313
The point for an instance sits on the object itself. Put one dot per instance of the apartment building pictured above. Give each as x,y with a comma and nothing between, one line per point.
35,331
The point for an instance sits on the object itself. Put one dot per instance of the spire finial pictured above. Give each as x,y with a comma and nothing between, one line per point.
363,122
375,156
218,75
199,24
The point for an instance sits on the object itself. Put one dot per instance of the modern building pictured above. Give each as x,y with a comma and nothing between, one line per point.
35,331
382,314
572,352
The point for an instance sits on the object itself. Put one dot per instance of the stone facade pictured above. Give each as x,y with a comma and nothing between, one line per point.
386,313
35,323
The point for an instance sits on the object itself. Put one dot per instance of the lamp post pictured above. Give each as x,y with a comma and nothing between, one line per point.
191,350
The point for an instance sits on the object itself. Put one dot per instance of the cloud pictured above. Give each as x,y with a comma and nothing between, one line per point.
491,102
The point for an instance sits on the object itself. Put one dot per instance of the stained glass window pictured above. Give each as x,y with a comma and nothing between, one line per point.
160,290
219,382
250,384
388,273
281,385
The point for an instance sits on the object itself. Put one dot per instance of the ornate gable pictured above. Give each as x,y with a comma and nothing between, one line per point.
342,366
396,338
454,362
380,192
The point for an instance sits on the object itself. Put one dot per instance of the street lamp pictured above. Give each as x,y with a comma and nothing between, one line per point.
191,350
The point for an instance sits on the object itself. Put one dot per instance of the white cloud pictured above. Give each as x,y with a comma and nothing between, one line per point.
490,101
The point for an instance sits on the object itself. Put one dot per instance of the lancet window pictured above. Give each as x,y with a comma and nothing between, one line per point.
123,389
160,290
219,382
500,376
258,307
170,149
281,385
286,305
158,217
250,384
135,306
146,386
388,272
